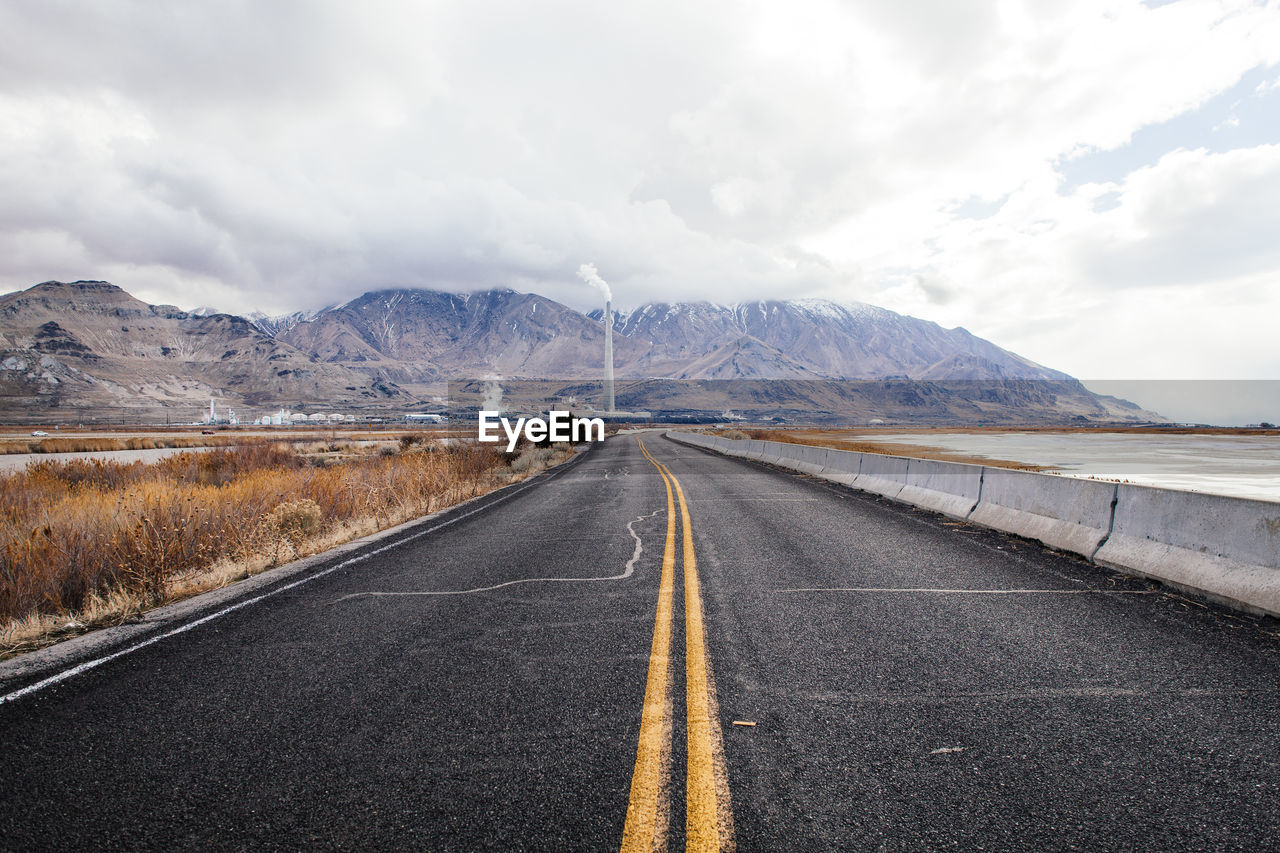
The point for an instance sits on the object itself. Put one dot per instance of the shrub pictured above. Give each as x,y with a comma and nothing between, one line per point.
408,440
72,532
296,520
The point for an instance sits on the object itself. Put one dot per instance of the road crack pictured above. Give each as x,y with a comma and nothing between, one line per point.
628,571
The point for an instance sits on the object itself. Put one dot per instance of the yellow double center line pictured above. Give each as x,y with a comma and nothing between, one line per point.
708,809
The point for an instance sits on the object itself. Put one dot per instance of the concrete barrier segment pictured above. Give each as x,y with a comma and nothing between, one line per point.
883,475
787,455
951,488
809,460
1067,513
842,466
774,452
1224,547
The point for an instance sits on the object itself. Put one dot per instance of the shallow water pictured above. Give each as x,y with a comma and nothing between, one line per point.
1241,465
18,461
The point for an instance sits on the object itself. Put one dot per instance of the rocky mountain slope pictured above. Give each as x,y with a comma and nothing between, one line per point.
529,336
71,350
89,350
445,334
812,338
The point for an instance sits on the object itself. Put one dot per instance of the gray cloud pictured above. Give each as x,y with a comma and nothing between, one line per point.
295,154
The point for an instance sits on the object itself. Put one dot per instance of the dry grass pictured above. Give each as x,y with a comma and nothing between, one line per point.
99,444
87,543
12,441
832,438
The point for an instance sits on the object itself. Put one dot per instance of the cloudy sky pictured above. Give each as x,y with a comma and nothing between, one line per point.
1095,185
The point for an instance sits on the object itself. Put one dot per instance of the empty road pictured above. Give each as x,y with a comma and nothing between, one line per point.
659,648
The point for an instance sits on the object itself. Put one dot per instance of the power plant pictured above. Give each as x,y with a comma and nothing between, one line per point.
213,418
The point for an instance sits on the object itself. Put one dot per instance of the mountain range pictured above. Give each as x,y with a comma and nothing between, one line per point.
89,350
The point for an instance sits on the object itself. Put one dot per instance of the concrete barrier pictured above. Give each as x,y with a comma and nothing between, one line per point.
884,475
950,488
782,454
786,455
775,451
1228,548
1066,513
809,460
842,466
1224,548
791,457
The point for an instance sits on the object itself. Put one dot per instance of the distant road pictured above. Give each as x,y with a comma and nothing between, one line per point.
656,646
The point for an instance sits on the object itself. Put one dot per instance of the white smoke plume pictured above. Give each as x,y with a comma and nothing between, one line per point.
587,272
492,393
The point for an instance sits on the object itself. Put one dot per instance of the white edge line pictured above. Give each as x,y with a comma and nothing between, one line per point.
93,664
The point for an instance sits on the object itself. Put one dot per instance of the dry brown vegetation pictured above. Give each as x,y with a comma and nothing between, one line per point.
833,438
90,542
80,440
98,444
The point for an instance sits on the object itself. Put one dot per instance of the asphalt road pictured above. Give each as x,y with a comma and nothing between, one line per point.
504,683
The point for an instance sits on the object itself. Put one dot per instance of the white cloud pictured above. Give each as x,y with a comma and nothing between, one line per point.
292,154
1178,277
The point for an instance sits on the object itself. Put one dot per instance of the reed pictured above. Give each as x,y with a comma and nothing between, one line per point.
85,538
99,444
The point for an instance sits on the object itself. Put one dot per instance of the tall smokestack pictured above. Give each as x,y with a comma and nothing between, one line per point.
608,355
588,273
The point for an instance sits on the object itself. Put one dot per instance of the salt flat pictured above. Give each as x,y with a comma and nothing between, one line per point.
1240,465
